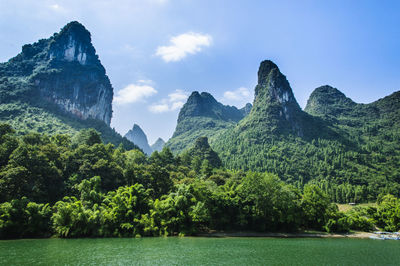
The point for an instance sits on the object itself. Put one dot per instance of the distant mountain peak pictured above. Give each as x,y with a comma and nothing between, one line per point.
158,145
138,137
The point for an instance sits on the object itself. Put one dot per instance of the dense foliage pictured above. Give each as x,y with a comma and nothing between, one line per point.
352,151
80,187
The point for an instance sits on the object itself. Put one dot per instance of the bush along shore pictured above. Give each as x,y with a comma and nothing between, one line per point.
78,186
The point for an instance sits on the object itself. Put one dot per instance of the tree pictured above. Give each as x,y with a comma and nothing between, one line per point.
206,168
388,213
87,136
315,204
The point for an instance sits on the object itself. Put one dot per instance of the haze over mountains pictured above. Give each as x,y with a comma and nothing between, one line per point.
58,85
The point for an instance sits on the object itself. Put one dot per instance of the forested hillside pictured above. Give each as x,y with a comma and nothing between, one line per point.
202,115
79,187
270,166
351,149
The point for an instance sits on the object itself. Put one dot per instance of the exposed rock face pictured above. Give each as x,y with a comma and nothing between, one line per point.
326,100
274,102
138,137
158,145
65,70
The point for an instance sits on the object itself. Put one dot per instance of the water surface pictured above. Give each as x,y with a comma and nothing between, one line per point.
196,251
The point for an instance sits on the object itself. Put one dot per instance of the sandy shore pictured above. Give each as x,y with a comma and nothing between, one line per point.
287,235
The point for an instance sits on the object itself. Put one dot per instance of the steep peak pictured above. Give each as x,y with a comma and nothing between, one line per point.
273,85
327,100
273,90
138,137
265,69
73,43
274,106
137,127
75,28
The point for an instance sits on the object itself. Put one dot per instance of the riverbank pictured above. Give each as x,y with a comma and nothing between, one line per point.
359,235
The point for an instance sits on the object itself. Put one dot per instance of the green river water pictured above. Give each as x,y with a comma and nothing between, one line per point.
200,251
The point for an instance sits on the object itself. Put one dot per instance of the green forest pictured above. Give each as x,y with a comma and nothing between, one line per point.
76,186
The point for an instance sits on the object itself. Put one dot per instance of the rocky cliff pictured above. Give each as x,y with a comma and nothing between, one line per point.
274,102
63,70
139,138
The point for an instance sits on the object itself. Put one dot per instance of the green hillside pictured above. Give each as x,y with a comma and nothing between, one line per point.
202,116
347,148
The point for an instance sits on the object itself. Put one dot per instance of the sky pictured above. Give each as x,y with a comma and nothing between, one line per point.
156,52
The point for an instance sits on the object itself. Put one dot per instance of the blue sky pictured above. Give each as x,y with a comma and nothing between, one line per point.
156,52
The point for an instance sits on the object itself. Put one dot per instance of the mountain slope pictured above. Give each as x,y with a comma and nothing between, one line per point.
139,138
202,115
58,85
340,143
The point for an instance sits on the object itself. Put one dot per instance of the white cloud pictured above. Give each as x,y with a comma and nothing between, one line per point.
178,95
182,45
238,94
174,101
177,105
238,97
159,108
146,82
134,93
55,6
